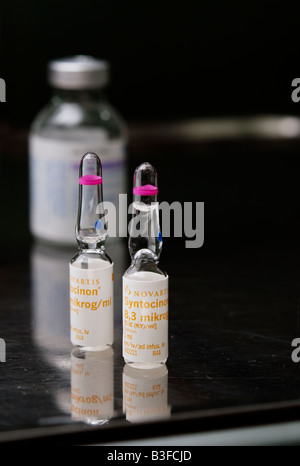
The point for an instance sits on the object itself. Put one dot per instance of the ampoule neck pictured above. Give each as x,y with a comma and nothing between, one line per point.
90,244
97,250
145,255
145,261
89,256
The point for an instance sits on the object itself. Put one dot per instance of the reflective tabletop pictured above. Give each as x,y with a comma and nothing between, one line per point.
230,340
233,315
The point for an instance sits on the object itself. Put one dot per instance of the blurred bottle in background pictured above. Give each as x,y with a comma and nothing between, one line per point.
78,119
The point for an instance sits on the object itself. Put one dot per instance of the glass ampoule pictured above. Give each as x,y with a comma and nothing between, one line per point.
91,269
145,284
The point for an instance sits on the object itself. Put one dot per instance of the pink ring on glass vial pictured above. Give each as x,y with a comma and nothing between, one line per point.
90,180
146,190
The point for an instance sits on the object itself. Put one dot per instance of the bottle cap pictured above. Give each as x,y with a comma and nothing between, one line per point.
78,72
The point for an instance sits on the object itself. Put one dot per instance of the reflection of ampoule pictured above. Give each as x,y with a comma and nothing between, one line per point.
92,386
145,284
91,270
145,393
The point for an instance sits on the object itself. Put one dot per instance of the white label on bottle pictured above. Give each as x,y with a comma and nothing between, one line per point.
54,172
91,306
145,317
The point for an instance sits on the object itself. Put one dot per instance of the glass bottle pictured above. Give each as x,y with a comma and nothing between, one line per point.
145,283
91,269
78,119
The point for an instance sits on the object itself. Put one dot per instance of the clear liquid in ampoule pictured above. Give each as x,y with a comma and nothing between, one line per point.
91,269
145,284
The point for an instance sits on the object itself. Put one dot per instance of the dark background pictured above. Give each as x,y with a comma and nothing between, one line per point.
169,59
172,61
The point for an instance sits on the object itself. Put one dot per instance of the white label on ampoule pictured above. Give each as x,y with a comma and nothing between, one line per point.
145,317
91,306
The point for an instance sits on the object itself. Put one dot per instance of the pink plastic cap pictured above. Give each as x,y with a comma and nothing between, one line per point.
90,180
146,190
